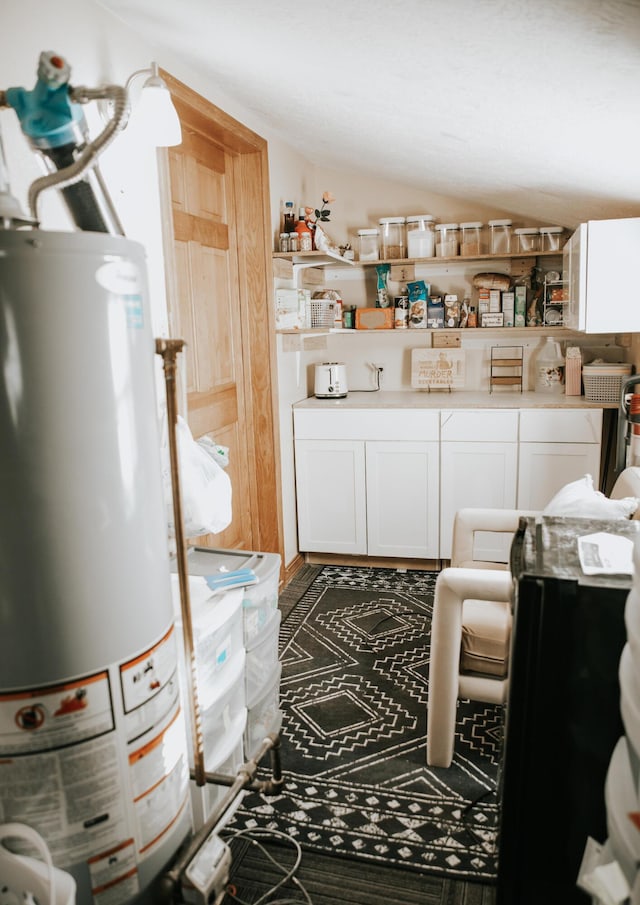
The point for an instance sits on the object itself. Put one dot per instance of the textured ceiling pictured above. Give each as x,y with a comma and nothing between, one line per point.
526,105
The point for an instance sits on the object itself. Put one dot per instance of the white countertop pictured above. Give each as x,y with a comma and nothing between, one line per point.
418,399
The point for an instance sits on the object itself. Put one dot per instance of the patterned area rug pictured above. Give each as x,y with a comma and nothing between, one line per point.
355,654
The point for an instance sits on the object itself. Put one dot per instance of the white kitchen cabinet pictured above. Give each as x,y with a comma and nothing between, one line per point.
359,492
402,499
331,496
556,447
600,263
478,468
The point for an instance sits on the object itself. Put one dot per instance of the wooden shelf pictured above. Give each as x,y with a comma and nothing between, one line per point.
321,258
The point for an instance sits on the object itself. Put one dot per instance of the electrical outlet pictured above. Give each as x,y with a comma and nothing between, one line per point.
376,366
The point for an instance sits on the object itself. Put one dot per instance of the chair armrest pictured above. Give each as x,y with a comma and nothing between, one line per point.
471,520
453,587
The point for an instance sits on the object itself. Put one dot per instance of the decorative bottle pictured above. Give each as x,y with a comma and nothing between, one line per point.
305,236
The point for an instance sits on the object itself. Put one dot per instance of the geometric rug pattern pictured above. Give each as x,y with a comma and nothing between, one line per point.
355,654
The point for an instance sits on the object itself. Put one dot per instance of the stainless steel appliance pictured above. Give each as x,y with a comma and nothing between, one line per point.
331,380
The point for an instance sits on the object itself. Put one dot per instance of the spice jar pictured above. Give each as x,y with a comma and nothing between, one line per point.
447,240
368,244
420,236
499,237
471,239
392,237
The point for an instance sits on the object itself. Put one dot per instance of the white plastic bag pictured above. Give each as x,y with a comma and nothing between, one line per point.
205,487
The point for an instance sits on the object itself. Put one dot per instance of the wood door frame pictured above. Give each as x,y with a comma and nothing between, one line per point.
249,153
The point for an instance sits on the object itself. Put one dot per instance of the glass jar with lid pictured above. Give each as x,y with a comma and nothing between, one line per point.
420,236
392,237
471,239
499,237
447,240
368,244
551,238
527,238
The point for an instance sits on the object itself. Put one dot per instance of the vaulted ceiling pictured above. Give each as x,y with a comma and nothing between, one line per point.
531,106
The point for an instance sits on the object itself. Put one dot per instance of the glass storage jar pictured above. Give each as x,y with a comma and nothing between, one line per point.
447,240
392,237
551,238
471,239
420,236
499,237
527,238
368,244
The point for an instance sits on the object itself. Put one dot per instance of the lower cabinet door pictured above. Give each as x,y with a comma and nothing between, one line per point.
546,467
478,475
402,499
330,496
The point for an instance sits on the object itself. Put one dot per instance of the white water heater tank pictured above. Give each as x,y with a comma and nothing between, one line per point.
93,747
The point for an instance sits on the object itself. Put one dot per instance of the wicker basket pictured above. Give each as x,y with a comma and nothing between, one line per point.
603,382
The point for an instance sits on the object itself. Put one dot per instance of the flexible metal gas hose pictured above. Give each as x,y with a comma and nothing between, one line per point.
89,155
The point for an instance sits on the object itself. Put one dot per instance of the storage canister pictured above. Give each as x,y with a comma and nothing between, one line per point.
551,238
420,236
368,244
527,238
392,237
499,237
447,240
471,239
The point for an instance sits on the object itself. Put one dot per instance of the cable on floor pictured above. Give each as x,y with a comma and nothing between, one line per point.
289,873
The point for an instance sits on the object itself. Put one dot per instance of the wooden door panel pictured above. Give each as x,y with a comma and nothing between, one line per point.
220,304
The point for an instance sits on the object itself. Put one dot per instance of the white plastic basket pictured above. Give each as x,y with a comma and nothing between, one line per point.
603,382
321,312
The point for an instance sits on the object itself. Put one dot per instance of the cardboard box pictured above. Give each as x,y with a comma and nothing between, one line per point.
494,301
435,313
520,306
374,318
508,308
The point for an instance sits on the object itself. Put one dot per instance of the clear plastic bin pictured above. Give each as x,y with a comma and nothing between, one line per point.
258,600
392,237
262,656
527,238
204,799
263,713
551,238
447,240
471,244
420,236
217,634
368,244
499,237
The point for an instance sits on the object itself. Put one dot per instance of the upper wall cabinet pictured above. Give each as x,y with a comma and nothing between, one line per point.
601,265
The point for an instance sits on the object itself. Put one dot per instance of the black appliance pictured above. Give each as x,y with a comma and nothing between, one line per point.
562,719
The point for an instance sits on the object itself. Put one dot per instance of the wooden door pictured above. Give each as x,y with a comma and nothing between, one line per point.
220,304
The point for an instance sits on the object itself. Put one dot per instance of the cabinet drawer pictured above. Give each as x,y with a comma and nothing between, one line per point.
560,426
350,424
495,425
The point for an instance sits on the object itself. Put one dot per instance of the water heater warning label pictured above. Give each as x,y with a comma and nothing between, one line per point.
55,715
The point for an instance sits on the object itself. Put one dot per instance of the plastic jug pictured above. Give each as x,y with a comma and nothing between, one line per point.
24,878
549,368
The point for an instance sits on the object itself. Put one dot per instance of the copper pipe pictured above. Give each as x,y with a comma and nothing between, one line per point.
169,349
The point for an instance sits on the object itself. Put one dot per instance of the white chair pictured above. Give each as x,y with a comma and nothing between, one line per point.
471,626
